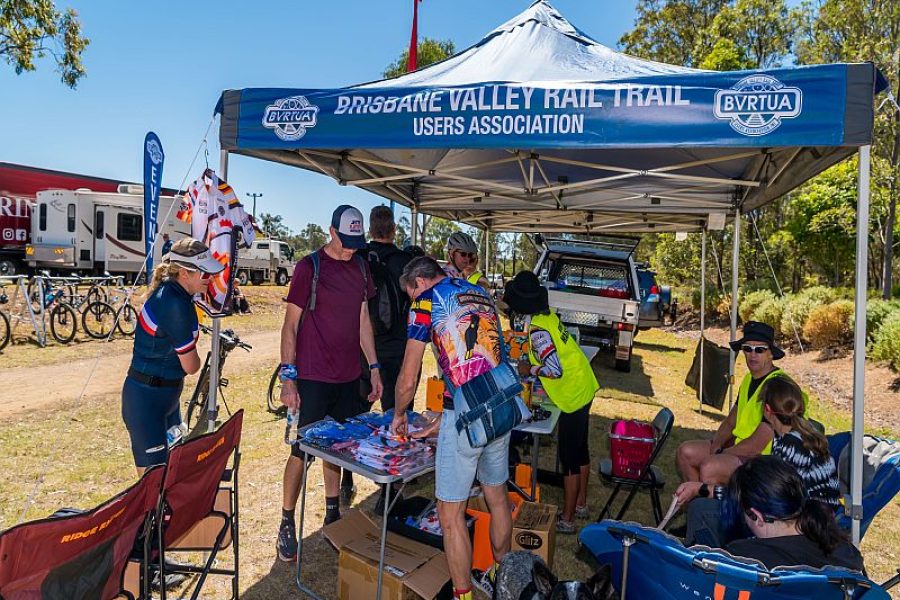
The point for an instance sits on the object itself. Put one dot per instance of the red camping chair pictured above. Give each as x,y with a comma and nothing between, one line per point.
81,556
198,508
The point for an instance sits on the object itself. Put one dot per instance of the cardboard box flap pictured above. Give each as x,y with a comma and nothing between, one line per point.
428,579
350,526
536,517
402,554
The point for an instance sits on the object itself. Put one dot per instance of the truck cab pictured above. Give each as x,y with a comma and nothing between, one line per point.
266,260
593,288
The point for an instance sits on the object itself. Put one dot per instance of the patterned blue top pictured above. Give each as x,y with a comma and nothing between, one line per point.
168,327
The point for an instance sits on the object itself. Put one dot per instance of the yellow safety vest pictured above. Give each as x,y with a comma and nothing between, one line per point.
474,277
750,409
578,384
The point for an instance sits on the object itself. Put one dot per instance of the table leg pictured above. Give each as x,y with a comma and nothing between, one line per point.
387,508
534,464
300,585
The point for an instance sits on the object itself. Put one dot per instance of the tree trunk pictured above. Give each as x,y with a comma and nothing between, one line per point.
887,280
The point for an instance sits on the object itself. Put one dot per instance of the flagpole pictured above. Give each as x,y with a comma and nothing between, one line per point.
412,62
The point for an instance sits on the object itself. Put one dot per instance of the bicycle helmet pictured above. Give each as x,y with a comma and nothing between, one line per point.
462,242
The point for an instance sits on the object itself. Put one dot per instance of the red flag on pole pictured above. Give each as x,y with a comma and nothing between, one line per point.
412,65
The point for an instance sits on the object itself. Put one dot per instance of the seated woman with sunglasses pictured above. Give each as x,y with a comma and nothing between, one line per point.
165,349
740,436
767,497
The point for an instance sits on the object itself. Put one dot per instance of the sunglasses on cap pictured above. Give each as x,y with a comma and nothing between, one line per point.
754,349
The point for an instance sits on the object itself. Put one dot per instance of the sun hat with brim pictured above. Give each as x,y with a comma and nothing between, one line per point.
525,295
195,255
754,331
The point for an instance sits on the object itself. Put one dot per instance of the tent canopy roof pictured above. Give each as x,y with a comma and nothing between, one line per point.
537,127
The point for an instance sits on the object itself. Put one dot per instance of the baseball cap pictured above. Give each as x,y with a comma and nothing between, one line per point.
348,222
195,255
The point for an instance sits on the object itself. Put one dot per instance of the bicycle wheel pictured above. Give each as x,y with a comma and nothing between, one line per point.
198,400
63,323
95,294
98,320
5,331
273,397
127,320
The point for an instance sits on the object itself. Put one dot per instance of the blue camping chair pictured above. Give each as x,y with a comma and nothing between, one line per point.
877,491
647,563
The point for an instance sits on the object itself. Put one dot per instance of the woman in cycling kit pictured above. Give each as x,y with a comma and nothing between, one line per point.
165,349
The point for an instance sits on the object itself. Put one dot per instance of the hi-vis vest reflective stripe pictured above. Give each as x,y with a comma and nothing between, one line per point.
577,385
750,410
474,277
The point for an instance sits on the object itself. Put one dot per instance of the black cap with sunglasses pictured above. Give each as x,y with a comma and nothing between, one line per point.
754,331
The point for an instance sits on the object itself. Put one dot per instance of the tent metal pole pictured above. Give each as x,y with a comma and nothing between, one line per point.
212,400
414,221
702,308
735,266
859,341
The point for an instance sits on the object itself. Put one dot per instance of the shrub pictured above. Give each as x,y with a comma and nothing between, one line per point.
723,308
877,311
713,298
751,302
798,307
829,325
887,341
770,312
819,294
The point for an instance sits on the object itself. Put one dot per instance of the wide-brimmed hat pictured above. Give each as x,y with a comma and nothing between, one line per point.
754,331
192,254
525,295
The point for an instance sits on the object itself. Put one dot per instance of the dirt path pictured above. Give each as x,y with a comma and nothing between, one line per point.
62,381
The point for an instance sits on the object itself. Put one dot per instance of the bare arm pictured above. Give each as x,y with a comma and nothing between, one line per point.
190,361
755,444
366,336
289,395
724,432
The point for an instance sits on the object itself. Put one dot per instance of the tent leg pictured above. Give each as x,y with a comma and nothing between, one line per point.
702,308
735,267
414,220
212,400
859,341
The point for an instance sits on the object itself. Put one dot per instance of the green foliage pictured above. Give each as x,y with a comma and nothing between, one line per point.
760,30
436,233
311,238
887,341
32,29
750,302
877,313
830,325
799,306
725,56
672,31
428,52
770,312
273,226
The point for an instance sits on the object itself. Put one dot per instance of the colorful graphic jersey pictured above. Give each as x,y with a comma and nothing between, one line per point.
459,318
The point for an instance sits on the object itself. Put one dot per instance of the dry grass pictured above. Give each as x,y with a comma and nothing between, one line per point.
79,455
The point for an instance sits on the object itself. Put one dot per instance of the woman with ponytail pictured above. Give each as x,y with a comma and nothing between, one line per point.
797,442
768,497
165,349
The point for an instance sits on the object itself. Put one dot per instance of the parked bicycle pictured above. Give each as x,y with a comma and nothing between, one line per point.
273,395
229,340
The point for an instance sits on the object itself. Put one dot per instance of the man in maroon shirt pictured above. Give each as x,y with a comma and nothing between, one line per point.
323,346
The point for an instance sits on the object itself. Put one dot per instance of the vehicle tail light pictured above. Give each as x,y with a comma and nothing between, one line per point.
654,289
624,326
612,293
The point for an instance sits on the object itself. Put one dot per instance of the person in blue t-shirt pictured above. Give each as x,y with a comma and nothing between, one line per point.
165,349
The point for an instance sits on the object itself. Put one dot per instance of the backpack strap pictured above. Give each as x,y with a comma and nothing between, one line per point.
311,303
362,269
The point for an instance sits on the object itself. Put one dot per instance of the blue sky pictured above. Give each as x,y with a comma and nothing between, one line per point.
161,65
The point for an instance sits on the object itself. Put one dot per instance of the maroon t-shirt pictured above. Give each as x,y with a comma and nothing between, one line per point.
328,339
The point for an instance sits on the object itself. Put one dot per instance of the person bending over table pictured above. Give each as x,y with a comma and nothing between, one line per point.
768,497
165,349
739,437
460,319
566,375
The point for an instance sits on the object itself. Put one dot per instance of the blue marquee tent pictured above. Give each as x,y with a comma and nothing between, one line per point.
537,127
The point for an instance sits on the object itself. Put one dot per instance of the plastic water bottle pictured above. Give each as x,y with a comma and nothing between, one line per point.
290,431
175,433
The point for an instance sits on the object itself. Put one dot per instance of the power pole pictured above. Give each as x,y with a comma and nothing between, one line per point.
254,195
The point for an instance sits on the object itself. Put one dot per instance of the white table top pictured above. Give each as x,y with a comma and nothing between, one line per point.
590,351
545,427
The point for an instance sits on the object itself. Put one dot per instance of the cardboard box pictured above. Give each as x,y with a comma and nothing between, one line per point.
534,530
434,394
482,553
411,570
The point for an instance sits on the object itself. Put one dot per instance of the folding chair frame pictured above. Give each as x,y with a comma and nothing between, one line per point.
646,479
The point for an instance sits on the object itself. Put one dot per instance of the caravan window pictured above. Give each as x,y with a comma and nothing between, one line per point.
42,217
98,225
128,227
70,218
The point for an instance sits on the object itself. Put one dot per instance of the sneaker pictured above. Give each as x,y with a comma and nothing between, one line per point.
581,512
347,494
332,519
173,580
566,527
287,541
483,581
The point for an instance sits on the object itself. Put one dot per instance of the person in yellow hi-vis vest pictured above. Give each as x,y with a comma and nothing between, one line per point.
739,437
462,260
566,375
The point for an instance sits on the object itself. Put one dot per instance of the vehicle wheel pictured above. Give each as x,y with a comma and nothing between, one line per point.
273,396
63,323
281,278
624,364
98,320
8,267
242,278
127,320
6,333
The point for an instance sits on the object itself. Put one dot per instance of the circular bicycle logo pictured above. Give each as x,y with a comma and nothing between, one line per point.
757,104
290,117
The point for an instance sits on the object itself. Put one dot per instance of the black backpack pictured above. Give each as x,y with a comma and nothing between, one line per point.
389,308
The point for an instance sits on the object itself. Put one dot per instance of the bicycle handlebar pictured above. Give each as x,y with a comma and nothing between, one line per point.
229,337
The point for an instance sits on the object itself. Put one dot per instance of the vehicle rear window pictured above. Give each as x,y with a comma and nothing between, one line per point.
591,278
129,227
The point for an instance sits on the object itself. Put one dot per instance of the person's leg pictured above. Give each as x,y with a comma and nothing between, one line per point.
144,411
293,477
688,458
572,430
717,469
493,473
583,478
584,454
457,544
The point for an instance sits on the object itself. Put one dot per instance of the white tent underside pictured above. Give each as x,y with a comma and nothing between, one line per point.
577,190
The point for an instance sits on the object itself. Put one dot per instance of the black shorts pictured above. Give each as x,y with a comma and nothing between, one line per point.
319,399
573,440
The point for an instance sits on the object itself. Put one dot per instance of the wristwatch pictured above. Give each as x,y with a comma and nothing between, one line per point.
703,492
374,365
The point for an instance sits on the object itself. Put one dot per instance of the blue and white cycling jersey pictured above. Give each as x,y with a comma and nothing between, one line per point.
168,327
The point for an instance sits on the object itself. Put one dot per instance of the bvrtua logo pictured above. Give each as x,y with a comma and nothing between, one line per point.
756,105
290,117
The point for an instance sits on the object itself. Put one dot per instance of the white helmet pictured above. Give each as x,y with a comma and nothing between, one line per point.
461,241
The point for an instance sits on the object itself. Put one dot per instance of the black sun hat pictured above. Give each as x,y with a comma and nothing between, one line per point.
525,295
754,331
